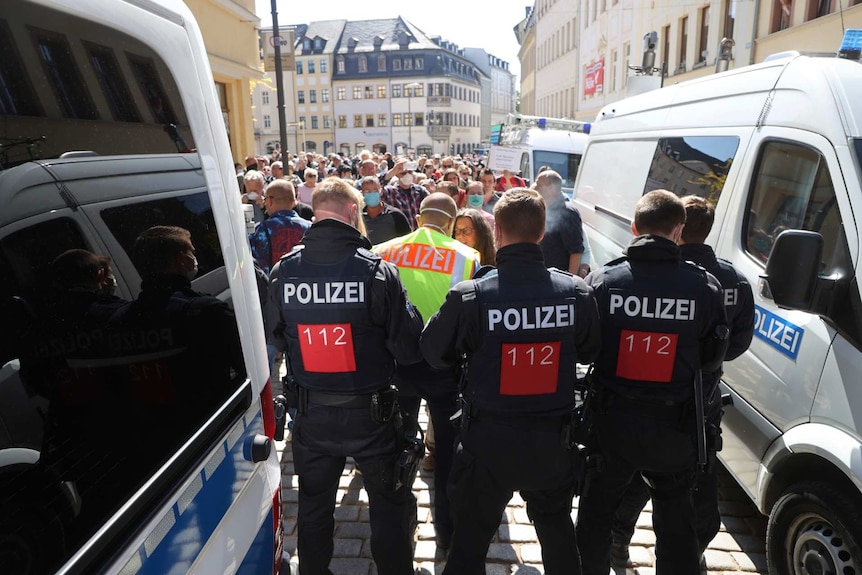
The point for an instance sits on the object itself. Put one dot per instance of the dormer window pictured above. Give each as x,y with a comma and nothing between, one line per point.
339,65
306,44
351,43
363,64
378,41
318,44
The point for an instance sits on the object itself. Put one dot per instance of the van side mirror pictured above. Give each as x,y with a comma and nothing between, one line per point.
793,268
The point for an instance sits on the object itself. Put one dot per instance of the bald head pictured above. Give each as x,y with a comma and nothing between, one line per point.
438,210
280,195
550,185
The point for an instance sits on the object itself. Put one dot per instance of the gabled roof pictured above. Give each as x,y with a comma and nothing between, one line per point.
327,31
396,33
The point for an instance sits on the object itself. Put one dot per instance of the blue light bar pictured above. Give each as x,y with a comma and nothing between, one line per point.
851,45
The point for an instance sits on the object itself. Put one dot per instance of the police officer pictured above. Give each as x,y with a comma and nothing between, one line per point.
522,328
739,305
430,261
342,317
662,320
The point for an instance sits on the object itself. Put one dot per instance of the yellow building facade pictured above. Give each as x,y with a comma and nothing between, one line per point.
230,31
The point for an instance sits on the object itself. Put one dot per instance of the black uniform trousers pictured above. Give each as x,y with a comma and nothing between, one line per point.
323,436
707,515
431,383
663,452
495,457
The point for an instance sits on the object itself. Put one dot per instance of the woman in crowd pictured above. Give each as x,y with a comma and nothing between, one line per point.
472,228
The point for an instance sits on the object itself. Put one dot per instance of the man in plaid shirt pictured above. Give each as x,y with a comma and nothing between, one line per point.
405,195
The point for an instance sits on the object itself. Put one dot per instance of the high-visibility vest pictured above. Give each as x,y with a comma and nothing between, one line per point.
430,263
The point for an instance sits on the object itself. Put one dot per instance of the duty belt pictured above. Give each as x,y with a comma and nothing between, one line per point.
336,399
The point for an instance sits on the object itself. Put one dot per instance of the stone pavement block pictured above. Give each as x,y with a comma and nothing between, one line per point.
353,530
517,500
290,496
366,549
347,547
347,513
517,533
725,542
425,551
645,537
753,562
642,571
287,468
502,552
536,569
751,543
290,544
531,553
497,569
735,525
289,509
426,531
520,515
427,568
719,560
640,556
351,566
288,526
644,520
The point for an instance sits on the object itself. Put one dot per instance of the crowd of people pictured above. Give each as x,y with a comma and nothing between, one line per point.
391,280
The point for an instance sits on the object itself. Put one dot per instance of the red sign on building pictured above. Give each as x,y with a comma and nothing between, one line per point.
594,78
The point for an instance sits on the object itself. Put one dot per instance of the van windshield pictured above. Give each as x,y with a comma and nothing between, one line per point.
561,162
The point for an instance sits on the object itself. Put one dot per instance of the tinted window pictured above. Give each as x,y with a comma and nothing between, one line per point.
192,212
793,190
564,164
692,166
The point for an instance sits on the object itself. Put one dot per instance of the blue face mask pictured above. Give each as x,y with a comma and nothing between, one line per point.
372,199
476,200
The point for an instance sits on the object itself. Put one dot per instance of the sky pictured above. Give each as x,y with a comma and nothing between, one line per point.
471,23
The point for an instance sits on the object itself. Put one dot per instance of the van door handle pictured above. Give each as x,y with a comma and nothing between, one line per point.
257,448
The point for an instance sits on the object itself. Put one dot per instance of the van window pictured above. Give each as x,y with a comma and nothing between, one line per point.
25,254
192,212
563,163
694,165
793,190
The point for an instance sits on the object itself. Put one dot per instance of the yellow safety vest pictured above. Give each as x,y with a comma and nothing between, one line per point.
430,263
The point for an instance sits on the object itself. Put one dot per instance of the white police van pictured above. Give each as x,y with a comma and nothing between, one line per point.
109,125
527,143
777,146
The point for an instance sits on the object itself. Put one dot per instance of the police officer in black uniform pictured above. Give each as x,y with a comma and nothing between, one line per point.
739,305
342,317
662,320
521,328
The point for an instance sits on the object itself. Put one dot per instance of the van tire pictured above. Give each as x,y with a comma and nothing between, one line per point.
817,525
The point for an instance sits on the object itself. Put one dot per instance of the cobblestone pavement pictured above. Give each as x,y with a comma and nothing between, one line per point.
738,548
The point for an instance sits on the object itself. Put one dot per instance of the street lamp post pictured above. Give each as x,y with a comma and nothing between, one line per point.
412,87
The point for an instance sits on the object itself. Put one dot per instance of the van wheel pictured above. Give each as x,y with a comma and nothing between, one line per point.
814,529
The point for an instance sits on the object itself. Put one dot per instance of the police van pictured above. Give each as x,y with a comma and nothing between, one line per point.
110,125
777,147
526,143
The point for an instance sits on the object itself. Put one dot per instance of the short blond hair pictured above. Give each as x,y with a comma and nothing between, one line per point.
334,194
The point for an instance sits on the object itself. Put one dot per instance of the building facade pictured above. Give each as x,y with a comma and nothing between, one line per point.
605,41
383,85
229,29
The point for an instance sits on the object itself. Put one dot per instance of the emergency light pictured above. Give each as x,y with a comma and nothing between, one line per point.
851,45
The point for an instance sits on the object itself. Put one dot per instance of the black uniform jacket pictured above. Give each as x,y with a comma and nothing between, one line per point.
458,327
330,242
